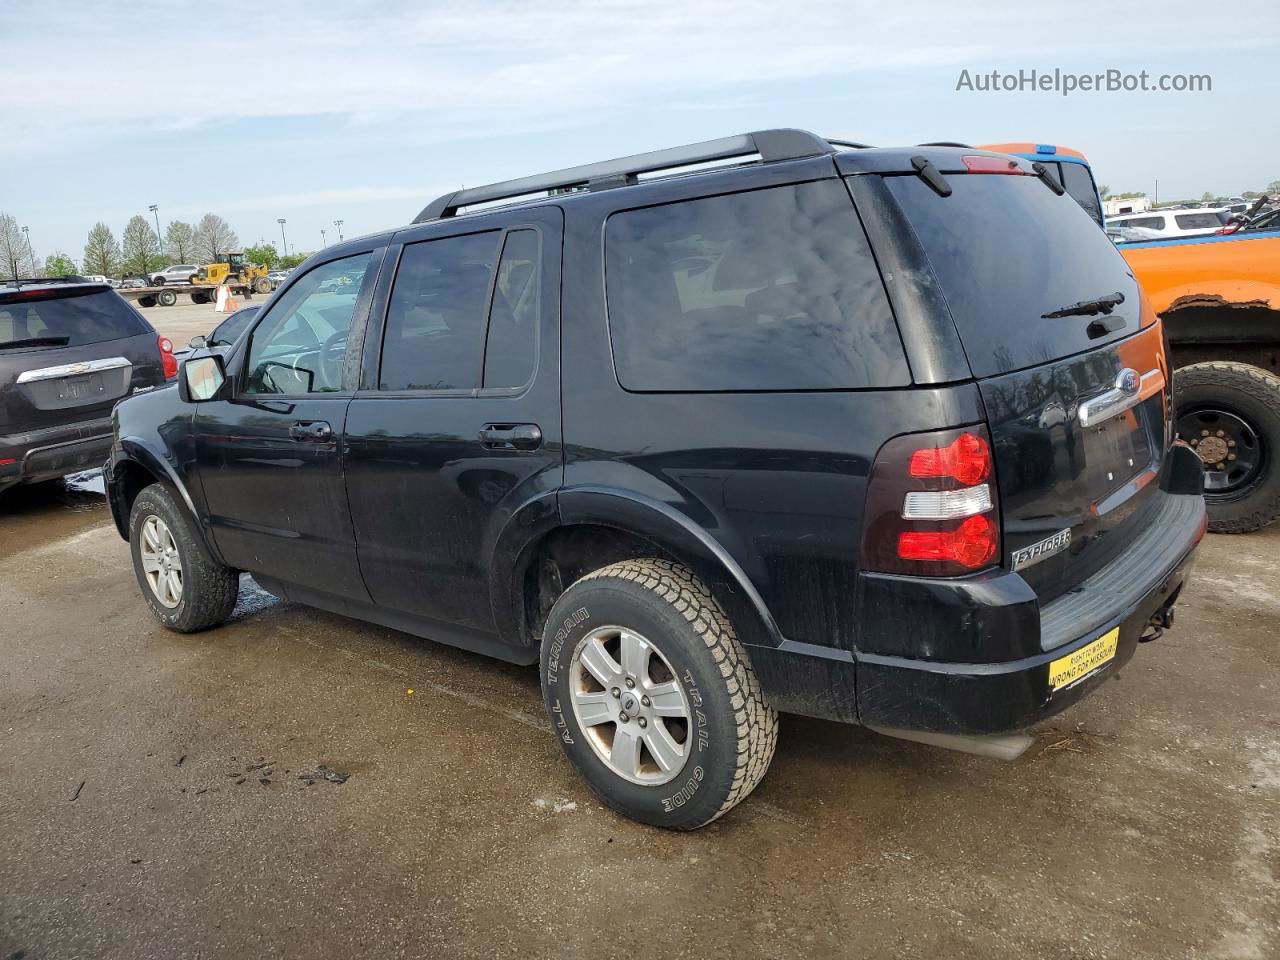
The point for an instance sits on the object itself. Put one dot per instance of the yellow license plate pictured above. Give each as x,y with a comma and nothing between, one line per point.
1067,670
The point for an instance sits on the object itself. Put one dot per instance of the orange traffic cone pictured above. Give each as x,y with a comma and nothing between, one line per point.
231,306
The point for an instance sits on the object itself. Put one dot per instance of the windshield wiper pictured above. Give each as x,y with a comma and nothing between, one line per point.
36,342
1087,308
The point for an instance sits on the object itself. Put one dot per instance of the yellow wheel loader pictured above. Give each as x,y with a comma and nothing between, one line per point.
243,276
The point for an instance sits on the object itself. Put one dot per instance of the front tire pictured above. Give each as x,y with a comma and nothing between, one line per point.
1230,413
186,589
652,696
166,298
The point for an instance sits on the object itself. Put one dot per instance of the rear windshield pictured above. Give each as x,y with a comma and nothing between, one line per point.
1006,250
68,321
771,289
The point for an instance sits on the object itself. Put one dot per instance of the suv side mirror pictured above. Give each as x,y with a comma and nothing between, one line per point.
202,379
198,341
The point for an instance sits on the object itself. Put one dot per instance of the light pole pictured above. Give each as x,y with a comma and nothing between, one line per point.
283,242
323,241
338,224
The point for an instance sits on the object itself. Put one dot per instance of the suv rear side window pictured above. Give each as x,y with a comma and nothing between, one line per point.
436,320
1149,223
774,289
1197,221
69,320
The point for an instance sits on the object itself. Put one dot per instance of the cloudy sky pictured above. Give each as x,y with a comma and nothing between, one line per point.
363,110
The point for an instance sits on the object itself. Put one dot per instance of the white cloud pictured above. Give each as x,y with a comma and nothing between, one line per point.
506,64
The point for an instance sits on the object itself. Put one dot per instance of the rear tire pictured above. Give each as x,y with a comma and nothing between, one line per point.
1243,399
157,281
146,301
186,589
703,740
166,298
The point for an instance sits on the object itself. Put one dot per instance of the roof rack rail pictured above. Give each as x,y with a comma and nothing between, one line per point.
946,143
769,145
850,143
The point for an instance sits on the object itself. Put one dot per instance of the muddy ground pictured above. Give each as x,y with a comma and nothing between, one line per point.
166,796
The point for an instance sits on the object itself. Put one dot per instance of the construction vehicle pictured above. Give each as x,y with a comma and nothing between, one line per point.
235,270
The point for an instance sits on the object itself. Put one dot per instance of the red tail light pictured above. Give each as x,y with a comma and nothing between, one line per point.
1228,228
970,545
931,505
967,459
167,359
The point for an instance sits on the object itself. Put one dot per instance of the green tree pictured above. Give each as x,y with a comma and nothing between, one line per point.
59,265
1273,188
139,246
1104,192
101,252
264,255
15,251
180,241
1251,194
291,260
214,239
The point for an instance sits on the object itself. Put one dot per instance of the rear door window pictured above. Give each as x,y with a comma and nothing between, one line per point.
69,321
774,289
1007,250
436,317
511,346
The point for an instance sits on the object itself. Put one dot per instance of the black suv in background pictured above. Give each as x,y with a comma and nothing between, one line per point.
69,349
877,435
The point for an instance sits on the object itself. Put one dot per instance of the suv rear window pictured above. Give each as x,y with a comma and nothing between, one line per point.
1198,221
768,290
1007,249
73,320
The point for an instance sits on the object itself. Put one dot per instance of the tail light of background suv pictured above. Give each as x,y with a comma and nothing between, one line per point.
167,359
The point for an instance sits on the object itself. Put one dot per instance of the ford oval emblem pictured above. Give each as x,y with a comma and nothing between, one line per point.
1128,381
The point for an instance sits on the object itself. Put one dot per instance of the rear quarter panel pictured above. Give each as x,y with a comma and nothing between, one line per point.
776,480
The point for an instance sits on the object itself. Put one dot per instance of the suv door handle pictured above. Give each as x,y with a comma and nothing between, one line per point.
311,431
511,436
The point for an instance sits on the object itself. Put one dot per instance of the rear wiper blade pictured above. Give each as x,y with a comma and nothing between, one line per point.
1087,308
36,342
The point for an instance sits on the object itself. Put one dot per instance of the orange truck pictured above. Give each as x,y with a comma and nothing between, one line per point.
1219,298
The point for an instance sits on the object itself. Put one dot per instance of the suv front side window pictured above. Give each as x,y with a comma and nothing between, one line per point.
300,345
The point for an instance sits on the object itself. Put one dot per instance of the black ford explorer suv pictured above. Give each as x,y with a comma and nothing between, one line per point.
69,349
877,435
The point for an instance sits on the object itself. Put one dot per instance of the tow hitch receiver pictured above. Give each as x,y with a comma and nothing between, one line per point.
1160,621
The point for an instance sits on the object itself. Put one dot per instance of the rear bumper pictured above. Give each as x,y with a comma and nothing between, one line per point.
52,453
942,696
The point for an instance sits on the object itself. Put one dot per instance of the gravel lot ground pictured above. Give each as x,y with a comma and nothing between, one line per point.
185,319
151,803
